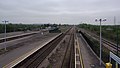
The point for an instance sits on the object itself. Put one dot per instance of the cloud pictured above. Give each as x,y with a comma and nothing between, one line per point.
58,11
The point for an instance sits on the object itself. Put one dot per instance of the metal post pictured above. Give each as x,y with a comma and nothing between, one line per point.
116,38
100,38
100,41
117,41
110,59
5,36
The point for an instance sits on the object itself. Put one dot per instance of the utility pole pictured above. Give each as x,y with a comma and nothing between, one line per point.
100,20
116,28
5,34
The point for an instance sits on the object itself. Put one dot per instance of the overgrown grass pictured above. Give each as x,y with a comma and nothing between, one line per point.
96,49
49,66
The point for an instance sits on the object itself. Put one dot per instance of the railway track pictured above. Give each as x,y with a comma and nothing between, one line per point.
114,46
68,59
110,44
34,60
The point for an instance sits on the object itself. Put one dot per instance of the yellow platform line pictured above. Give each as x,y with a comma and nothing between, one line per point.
81,59
75,52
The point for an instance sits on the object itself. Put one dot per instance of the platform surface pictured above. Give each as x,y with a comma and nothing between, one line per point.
18,52
89,59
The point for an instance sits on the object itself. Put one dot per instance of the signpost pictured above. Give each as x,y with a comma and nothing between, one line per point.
5,33
114,57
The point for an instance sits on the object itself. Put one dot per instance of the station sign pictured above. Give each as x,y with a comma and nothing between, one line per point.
115,57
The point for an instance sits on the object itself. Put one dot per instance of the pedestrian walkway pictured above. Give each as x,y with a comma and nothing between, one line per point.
89,59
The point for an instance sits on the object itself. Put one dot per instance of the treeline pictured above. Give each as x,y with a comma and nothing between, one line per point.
108,31
23,27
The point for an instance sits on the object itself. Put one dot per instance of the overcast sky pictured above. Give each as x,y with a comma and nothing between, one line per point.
59,11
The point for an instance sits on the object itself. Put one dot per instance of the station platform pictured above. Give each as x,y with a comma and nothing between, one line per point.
86,57
15,33
9,59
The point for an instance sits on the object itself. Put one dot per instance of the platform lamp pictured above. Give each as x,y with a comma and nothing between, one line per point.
5,34
100,20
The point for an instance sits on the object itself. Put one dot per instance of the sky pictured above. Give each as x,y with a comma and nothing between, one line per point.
59,11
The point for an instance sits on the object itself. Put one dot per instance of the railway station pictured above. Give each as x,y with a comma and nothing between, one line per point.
59,33
69,48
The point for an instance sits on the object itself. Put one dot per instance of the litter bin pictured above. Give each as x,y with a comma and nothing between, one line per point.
108,65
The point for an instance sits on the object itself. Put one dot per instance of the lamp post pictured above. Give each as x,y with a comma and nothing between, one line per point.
5,34
100,20
116,28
